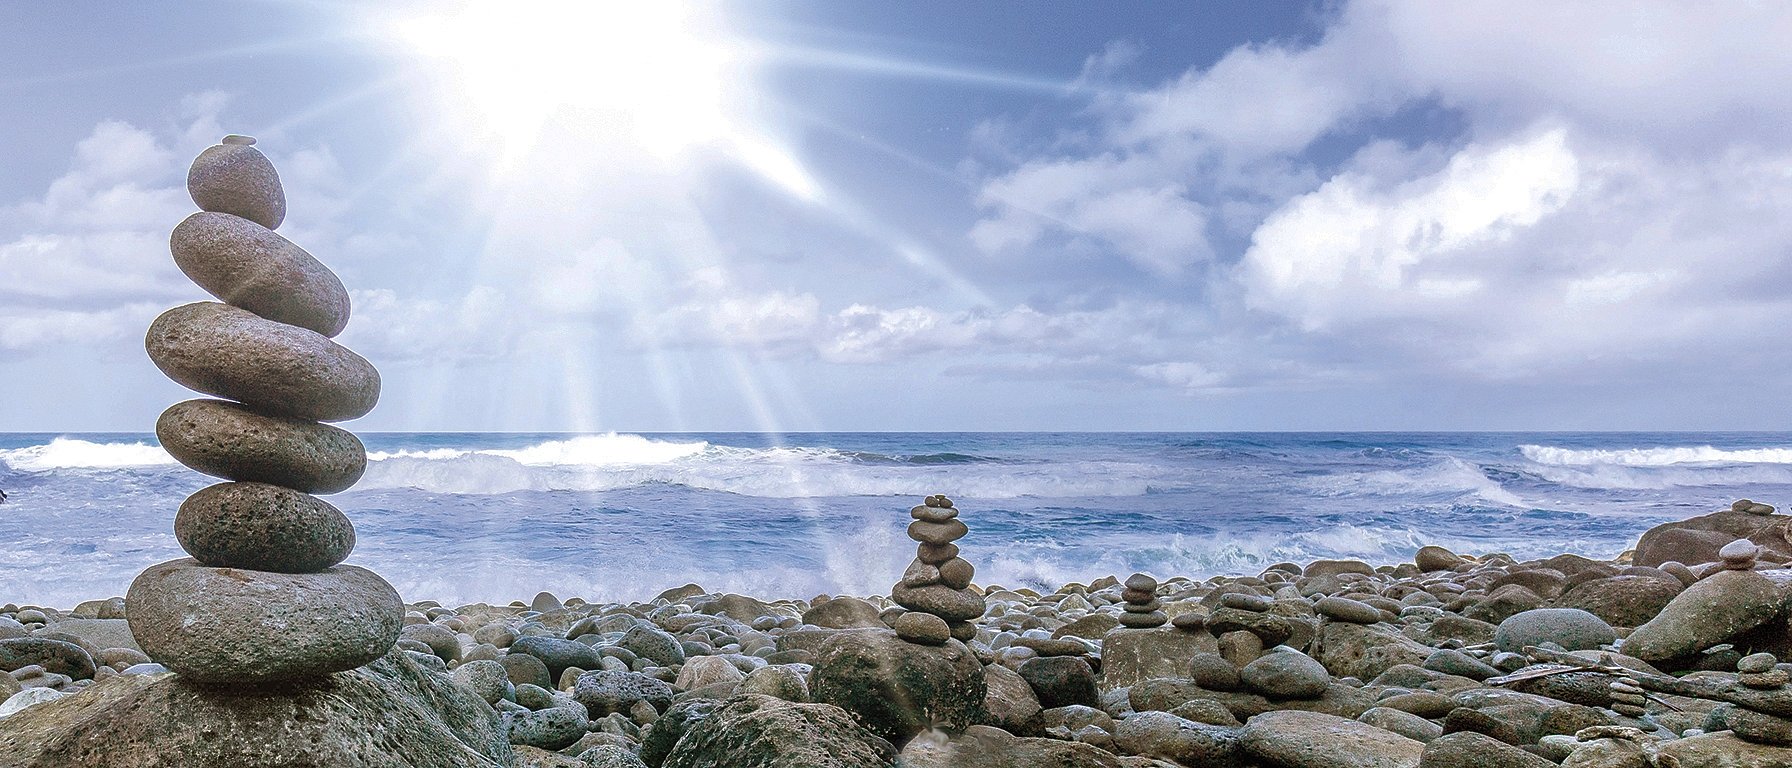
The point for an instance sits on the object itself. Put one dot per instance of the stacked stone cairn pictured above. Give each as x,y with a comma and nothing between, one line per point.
936,586
1760,674
1628,697
1142,610
264,597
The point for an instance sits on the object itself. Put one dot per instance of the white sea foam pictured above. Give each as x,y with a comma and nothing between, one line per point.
1449,475
608,462
1654,457
70,453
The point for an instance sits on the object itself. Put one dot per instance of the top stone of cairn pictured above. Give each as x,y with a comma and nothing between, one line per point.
236,178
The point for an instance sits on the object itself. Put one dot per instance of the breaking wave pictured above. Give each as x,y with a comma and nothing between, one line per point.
1653,457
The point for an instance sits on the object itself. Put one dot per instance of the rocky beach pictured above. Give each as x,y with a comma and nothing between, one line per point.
1672,655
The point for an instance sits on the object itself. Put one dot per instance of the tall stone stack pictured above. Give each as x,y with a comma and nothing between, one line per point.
937,582
264,597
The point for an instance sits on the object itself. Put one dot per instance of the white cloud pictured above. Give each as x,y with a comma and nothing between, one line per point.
1352,249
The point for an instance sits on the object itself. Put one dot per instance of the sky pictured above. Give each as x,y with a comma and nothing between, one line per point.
823,216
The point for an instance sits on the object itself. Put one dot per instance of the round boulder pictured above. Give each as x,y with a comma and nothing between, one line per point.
232,441
1282,675
246,265
262,527
276,368
898,689
229,625
1571,628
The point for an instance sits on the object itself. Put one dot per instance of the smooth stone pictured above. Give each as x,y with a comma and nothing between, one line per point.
232,441
1467,749
1433,558
220,350
956,573
653,644
1759,728
1717,750
1709,612
896,688
229,625
781,681
1295,739
1757,663
752,730
250,267
1571,628
920,574
487,678
1140,582
605,691
1061,681
58,657
934,554
1130,655
940,600
1287,674
1246,602
30,696
1623,601
552,728
1168,737
237,179
1133,620
557,654
923,628
937,533
1740,553
1348,610
1404,723
262,527
933,514
844,613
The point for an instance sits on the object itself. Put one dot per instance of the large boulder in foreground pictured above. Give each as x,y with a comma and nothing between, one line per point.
1130,656
896,688
389,714
1709,612
754,731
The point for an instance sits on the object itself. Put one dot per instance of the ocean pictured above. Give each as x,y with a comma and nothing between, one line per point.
461,518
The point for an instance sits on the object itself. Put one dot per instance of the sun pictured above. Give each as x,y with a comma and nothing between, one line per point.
655,70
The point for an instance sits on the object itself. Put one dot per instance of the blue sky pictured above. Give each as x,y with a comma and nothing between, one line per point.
933,216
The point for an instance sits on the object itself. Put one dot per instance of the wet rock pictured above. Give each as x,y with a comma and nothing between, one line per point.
558,654
844,613
232,441
1132,655
652,644
1434,558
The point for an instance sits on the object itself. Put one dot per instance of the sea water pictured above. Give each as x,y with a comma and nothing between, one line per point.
460,518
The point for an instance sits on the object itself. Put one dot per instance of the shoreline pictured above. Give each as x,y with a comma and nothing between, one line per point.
1447,654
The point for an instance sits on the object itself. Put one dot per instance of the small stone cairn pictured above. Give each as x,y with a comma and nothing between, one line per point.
1760,674
264,597
936,586
1751,507
1142,610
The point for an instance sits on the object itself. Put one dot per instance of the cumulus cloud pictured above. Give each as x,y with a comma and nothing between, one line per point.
1612,192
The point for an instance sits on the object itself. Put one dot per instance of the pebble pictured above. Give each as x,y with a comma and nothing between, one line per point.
921,627
1348,610
1739,555
937,533
232,441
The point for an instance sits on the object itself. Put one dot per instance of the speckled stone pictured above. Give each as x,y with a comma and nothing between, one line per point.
264,528
236,178
247,265
228,625
232,441
275,368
